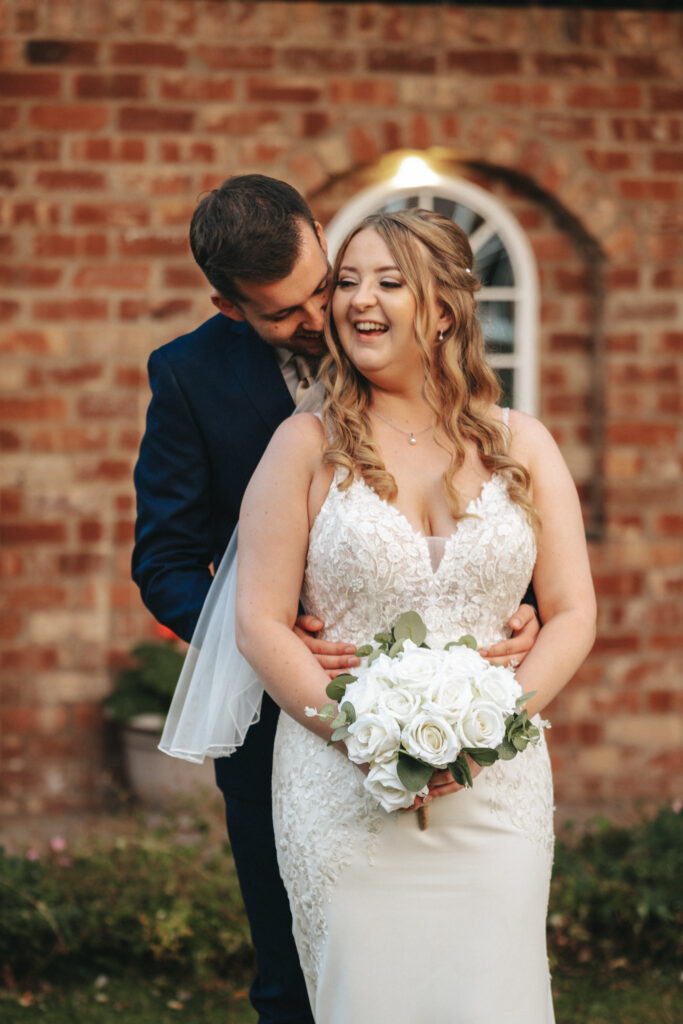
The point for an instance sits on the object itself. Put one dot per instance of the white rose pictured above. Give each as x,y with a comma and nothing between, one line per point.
430,737
453,693
418,668
499,686
373,737
365,692
386,787
482,725
401,703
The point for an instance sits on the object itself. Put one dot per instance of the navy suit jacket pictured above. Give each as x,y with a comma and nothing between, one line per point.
217,397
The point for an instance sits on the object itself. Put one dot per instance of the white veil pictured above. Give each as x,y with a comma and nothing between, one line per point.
218,696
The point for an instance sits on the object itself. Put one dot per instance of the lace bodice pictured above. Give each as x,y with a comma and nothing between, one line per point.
367,565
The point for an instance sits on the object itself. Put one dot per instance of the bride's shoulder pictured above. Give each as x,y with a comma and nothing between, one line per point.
301,436
530,440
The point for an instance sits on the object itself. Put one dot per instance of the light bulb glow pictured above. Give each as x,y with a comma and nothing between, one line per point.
414,172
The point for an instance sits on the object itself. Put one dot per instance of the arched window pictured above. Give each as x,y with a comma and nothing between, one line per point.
503,262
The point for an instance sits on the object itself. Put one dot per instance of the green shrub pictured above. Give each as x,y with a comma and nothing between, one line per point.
144,904
147,685
616,894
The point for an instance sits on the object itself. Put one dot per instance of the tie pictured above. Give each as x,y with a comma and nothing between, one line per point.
306,374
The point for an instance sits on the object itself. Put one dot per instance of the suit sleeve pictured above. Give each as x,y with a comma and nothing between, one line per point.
172,550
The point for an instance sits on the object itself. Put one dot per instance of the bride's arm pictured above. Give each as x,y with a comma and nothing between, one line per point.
562,577
272,547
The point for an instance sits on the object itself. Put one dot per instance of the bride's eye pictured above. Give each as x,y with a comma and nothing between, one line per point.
344,282
389,282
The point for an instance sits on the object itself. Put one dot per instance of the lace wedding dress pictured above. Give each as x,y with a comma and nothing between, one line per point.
394,924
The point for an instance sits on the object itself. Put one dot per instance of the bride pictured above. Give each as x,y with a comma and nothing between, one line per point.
412,491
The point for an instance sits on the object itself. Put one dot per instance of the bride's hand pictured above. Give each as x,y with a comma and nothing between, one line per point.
525,628
442,783
334,658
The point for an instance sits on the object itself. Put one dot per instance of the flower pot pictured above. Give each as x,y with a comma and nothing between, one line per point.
155,778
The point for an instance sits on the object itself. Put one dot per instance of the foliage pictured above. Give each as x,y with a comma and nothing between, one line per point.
146,686
616,894
146,902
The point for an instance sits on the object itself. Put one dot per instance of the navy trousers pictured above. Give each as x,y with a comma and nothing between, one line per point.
278,992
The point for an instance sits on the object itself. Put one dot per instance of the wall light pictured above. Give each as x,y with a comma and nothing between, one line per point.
414,172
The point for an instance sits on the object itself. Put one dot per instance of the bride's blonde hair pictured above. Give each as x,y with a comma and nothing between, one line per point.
459,385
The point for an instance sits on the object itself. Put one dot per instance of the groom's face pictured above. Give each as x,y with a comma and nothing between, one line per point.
290,312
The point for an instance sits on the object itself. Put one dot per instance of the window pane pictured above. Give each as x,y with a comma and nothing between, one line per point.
507,383
498,324
492,264
402,203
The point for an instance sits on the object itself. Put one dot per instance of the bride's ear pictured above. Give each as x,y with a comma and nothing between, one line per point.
444,320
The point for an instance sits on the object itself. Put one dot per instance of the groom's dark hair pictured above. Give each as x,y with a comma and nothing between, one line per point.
249,228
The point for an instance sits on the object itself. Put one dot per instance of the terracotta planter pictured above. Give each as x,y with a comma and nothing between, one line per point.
155,778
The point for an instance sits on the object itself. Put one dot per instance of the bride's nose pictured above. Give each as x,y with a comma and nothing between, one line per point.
363,295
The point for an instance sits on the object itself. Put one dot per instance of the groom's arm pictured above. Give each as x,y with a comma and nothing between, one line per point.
172,553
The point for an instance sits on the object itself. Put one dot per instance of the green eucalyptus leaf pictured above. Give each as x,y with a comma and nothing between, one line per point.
506,751
410,627
395,648
413,773
467,641
483,756
362,652
327,712
524,698
520,742
339,734
350,712
384,638
460,770
339,721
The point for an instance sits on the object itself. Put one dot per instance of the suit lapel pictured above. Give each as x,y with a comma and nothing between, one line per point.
257,370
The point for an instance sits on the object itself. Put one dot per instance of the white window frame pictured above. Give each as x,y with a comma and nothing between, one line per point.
523,360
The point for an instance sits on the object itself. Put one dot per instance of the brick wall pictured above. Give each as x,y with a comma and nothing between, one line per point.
116,114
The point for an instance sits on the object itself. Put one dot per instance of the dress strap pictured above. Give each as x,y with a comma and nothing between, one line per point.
505,415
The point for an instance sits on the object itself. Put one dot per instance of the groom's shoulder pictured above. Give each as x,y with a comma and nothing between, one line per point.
209,341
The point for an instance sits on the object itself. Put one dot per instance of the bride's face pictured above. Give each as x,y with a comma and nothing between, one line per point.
374,311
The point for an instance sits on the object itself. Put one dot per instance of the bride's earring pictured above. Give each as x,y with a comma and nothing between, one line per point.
441,335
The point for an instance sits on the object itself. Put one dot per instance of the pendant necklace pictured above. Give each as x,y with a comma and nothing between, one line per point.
410,434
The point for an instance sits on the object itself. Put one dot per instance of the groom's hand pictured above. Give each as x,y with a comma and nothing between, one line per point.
334,658
525,628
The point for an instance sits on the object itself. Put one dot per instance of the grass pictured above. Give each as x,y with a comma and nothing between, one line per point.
654,997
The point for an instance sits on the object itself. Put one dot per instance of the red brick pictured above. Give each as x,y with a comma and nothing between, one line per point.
71,309
69,117
646,129
667,98
649,189
134,309
670,525
609,160
29,277
287,90
11,501
220,58
90,530
153,245
668,161
622,277
124,532
672,341
126,275
485,62
616,644
131,377
604,97
29,84
403,61
108,406
69,439
67,246
242,122
61,51
195,89
618,584
9,441
118,213
29,659
30,149
28,532
374,91
108,469
155,119
113,86
638,66
80,564
149,55
184,277
305,59
77,180
528,94
642,433
9,117
43,595
8,179
565,65
42,407
568,341
186,150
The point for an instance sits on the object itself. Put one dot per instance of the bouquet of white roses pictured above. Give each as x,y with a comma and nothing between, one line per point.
412,710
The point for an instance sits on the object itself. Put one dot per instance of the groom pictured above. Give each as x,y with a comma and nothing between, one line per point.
218,394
